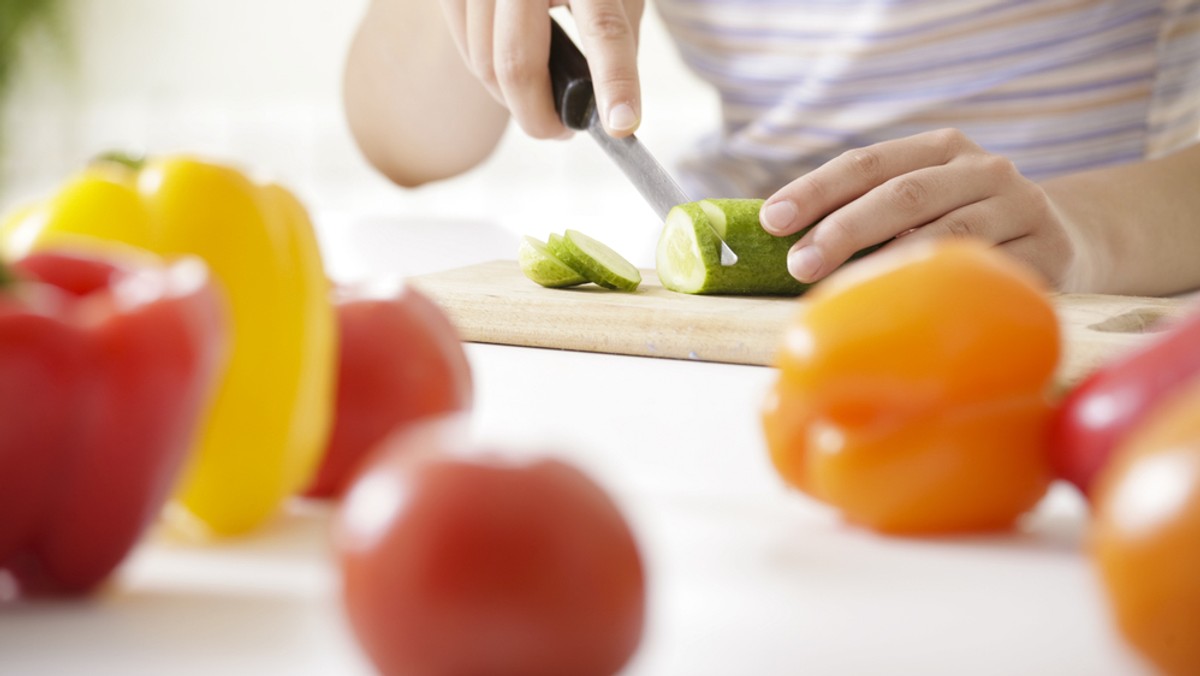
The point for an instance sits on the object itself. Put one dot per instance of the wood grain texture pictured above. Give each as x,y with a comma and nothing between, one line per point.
493,302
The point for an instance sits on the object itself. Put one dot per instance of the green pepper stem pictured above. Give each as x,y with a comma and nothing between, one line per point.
128,160
6,276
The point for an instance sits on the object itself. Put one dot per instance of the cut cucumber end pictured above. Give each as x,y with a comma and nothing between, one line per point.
597,262
541,265
678,258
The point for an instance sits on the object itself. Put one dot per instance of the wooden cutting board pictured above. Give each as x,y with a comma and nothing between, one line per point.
493,302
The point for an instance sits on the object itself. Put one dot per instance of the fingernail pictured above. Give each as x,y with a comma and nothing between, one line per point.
777,216
804,263
622,118
566,135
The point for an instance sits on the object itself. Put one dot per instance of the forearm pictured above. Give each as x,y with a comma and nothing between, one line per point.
416,112
1137,226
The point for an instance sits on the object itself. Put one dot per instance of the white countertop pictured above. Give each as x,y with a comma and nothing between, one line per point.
744,576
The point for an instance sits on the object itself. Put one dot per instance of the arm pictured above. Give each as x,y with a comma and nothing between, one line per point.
1141,222
415,110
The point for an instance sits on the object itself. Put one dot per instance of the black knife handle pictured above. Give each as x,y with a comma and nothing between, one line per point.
574,98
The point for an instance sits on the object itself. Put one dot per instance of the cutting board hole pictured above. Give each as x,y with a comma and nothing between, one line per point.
1140,320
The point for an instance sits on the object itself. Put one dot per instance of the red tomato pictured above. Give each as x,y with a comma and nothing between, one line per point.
1098,413
455,565
1146,534
400,361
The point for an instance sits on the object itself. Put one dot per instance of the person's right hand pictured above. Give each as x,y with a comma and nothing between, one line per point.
506,44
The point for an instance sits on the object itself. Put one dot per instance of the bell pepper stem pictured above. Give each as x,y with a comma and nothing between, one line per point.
128,160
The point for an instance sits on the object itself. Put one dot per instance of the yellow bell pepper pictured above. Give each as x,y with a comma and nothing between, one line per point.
270,418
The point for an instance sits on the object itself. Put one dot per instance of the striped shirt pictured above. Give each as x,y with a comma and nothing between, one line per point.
1055,85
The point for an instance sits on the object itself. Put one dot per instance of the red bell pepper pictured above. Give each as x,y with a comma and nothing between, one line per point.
1101,411
105,366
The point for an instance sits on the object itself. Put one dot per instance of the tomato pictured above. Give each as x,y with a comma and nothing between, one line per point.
1097,414
400,360
912,390
456,564
1146,534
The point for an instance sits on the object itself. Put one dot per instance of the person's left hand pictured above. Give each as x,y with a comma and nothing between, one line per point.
935,184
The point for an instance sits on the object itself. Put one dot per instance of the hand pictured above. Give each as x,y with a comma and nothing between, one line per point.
935,184
506,44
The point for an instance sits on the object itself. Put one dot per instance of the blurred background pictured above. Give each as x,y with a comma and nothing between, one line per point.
258,83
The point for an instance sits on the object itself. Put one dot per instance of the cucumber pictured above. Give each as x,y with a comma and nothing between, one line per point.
596,261
543,267
688,257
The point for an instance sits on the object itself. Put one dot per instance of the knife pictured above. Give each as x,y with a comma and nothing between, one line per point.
575,101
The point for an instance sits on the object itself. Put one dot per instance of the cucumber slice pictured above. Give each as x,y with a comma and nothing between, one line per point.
556,247
596,261
688,257
542,266
554,244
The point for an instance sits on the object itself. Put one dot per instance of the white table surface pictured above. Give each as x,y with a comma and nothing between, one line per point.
744,576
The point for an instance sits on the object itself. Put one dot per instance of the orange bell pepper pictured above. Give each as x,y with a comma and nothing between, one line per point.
913,390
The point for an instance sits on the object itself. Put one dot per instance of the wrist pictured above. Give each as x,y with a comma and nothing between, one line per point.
1089,267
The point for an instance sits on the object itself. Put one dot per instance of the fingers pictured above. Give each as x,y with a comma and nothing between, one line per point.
1049,262
455,13
1010,221
506,44
521,50
609,39
936,184
977,220
854,174
915,199
478,16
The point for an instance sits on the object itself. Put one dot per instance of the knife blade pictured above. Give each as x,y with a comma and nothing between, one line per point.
575,101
